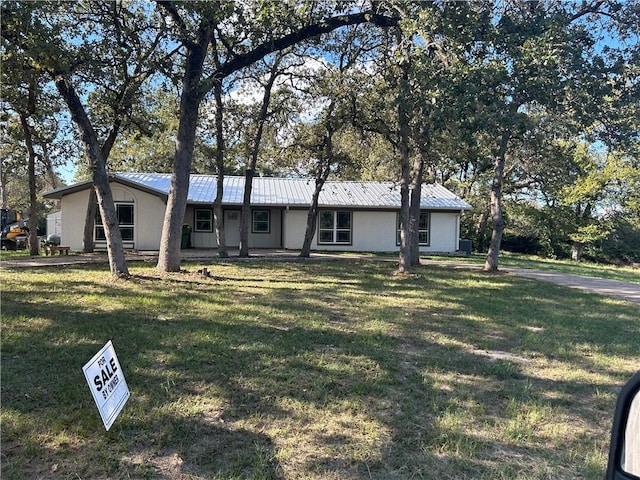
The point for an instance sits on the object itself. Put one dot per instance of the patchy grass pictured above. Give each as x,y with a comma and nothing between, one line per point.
12,254
315,370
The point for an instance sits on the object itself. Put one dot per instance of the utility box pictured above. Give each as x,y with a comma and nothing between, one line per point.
186,236
464,246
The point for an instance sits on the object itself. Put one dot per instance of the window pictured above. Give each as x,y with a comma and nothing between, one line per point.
423,229
260,221
334,227
203,220
124,212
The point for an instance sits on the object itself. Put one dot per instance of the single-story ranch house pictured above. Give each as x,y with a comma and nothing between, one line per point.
356,216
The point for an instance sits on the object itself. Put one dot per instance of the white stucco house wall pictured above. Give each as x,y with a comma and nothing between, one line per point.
353,216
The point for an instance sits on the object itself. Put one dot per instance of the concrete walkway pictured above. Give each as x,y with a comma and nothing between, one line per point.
613,288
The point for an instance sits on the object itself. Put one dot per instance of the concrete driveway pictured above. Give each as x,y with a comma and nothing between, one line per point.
612,288
602,286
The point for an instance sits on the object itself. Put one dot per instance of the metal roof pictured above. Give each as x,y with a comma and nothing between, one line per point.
277,191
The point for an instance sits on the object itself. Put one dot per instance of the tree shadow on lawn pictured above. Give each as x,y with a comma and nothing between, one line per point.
213,397
200,447
45,397
482,347
537,318
480,333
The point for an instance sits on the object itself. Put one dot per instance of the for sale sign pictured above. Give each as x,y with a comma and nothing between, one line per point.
107,384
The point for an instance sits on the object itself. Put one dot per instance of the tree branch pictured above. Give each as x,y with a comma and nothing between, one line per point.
586,10
171,9
238,62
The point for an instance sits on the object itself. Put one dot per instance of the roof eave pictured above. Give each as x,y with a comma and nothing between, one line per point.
138,186
57,194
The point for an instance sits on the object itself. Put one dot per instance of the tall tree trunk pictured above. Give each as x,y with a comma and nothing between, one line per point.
3,190
323,169
32,222
50,174
115,250
414,221
218,212
497,219
312,214
576,251
170,241
246,211
406,254
218,220
417,174
89,223
251,168
582,215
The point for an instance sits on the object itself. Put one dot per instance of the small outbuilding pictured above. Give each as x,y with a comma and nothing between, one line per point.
54,223
353,216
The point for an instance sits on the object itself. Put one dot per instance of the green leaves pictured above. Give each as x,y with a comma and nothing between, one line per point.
549,75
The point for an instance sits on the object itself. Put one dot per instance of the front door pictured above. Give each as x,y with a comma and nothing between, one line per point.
232,228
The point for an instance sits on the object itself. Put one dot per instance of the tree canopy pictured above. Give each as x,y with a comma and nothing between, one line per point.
529,110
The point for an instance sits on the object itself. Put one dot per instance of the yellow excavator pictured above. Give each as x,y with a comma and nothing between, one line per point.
15,233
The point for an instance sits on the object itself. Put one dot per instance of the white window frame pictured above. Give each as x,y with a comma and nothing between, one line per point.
196,220
99,234
424,232
334,230
255,222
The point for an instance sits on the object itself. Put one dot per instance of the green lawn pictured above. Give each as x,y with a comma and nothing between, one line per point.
303,370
